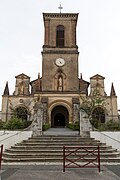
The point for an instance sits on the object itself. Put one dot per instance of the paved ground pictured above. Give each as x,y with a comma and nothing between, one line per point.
60,131
54,172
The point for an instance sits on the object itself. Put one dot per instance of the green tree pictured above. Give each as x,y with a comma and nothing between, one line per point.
93,107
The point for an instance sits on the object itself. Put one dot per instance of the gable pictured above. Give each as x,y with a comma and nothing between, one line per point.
97,76
22,76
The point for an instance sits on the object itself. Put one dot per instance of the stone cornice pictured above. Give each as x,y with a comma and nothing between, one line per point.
59,52
65,50
59,15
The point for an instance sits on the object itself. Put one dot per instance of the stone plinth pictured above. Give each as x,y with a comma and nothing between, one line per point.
38,119
85,124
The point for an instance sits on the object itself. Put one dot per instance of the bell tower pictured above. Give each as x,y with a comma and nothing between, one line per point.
60,52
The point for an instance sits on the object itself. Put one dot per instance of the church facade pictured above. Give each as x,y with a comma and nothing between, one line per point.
57,96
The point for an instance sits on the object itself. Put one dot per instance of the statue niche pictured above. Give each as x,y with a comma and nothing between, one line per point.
60,80
21,88
60,83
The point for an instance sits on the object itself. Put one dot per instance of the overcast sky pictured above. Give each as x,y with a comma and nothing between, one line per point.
22,33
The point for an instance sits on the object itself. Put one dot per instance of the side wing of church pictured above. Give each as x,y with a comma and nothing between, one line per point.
57,96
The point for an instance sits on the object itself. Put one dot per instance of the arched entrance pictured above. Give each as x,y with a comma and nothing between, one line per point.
59,117
98,116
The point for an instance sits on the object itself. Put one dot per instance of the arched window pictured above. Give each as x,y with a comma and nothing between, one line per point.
21,113
60,36
98,116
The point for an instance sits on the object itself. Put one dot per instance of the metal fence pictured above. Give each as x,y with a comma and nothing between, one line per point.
1,151
81,157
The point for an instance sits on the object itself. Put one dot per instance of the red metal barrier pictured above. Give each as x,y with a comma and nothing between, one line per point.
1,151
81,157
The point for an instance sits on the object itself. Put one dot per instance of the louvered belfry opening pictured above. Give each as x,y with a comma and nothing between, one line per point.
60,36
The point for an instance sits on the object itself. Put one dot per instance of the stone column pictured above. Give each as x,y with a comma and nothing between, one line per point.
75,102
38,119
85,124
44,101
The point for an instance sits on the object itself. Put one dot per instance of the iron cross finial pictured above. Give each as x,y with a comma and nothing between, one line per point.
60,7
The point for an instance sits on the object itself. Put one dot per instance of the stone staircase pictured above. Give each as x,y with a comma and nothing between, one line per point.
49,149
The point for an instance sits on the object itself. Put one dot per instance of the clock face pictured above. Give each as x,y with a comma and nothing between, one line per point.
60,62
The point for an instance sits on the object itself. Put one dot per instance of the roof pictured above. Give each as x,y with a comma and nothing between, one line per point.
6,90
112,93
97,76
22,75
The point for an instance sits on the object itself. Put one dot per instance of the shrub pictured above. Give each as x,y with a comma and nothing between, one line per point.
45,126
95,123
26,123
109,126
13,124
73,126
16,123
1,125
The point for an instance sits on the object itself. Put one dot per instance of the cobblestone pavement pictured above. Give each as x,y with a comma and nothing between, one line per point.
54,172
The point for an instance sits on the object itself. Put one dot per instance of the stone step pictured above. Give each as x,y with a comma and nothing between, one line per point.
57,147
59,140
60,143
57,155
56,160
50,149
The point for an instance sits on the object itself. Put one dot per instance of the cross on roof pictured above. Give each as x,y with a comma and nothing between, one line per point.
60,7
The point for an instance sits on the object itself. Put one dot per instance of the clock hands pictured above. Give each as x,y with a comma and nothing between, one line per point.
60,62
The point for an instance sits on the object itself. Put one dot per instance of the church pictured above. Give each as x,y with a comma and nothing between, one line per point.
55,98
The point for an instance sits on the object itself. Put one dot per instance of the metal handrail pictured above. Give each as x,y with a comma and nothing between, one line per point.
12,135
106,135
20,131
